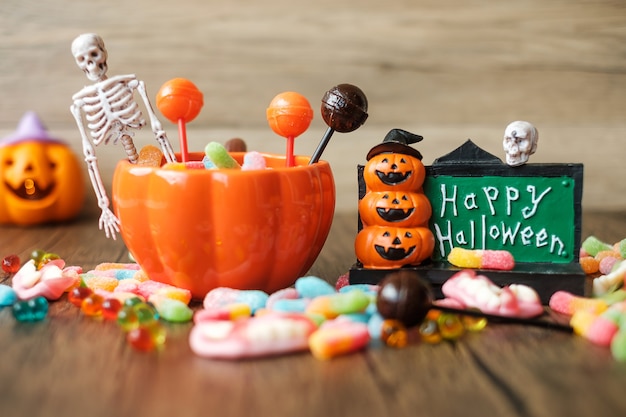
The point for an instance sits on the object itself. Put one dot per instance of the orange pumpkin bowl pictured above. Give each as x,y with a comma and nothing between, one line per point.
202,229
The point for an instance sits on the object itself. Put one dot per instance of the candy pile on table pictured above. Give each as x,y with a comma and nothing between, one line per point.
601,318
317,317
113,291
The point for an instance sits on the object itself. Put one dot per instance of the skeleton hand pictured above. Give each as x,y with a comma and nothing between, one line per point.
109,223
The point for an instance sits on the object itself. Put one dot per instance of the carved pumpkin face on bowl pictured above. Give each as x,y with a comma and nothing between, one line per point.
395,208
203,229
40,181
394,170
385,247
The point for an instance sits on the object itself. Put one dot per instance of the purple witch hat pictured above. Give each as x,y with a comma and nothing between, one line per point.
30,128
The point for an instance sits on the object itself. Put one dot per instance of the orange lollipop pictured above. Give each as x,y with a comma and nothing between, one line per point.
180,101
289,115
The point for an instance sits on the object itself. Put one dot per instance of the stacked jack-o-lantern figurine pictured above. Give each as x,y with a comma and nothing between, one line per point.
394,210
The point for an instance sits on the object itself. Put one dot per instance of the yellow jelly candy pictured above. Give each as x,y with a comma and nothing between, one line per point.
394,333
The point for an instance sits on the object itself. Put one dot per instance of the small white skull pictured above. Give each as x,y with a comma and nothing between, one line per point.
520,141
91,55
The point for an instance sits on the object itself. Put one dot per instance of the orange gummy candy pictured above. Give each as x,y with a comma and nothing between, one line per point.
589,265
151,156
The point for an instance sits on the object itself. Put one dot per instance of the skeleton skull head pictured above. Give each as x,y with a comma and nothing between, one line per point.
91,55
520,141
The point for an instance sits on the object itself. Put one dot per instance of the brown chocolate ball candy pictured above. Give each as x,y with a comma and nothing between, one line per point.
235,145
405,296
344,108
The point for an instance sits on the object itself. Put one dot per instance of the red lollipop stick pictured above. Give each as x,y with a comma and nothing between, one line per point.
289,115
180,101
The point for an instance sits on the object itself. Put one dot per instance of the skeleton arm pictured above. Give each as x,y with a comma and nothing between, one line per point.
158,131
108,221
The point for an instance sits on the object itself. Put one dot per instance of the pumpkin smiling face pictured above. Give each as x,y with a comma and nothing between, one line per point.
384,247
395,208
39,182
394,170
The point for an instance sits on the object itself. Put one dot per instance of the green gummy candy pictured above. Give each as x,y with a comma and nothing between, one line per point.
174,311
350,302
592,245
218,154
618,346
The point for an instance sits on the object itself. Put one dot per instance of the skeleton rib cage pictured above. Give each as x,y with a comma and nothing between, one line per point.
110,108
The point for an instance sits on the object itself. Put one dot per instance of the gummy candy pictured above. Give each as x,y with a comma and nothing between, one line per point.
592,245
229,312
172,310
7,296
338,337
331,306
34,309
289,293
264,335
477,291
589,264
51,281
150,155
150,287
484,259
11,264
220,156
221,296
311,287
567,303
607,283
253,160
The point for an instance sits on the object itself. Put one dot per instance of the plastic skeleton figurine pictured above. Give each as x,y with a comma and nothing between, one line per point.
111,113
520,141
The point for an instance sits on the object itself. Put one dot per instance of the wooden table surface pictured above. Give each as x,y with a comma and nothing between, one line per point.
72,365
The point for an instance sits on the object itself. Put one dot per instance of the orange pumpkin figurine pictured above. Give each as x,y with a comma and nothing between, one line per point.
394,210
41,177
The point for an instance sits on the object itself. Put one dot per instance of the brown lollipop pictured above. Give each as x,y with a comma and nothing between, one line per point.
344,109
404,296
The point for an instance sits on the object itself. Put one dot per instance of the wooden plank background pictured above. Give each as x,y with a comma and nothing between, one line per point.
447,70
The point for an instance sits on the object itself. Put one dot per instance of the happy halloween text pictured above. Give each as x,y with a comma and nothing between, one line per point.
519,215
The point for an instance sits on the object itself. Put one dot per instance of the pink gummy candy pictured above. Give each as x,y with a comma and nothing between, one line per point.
601,331
51,281
253,160
477,291
265,335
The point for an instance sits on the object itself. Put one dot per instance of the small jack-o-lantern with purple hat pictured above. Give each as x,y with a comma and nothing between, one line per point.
40,177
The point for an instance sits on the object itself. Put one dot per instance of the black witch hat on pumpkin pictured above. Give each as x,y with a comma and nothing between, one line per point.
397,141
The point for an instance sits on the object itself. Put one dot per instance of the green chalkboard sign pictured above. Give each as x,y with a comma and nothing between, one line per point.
532,217
478,202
